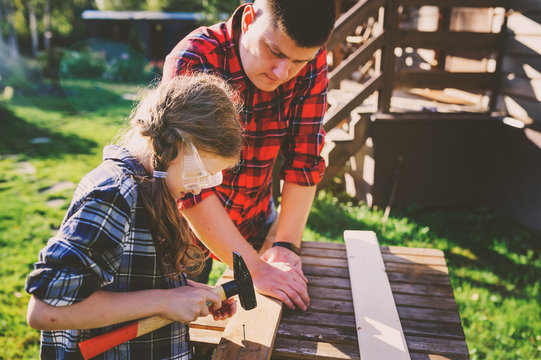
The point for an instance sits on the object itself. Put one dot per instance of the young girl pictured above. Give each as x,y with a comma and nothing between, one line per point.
123,249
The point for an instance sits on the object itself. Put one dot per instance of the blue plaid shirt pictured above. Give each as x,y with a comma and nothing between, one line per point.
104,243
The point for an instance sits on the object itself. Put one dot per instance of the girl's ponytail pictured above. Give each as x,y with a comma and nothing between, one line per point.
199,108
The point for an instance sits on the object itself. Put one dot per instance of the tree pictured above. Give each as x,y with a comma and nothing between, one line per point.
33,24
9,16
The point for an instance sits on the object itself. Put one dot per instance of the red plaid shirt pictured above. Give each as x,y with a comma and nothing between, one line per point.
289,119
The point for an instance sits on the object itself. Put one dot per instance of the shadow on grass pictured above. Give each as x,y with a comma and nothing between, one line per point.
89,95
17,134
77,96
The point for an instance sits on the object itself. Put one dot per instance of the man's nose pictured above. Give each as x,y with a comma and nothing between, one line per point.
281,69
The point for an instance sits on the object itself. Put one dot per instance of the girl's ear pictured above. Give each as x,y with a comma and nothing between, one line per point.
248,17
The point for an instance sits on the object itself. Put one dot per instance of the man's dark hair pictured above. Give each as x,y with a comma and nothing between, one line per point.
308,22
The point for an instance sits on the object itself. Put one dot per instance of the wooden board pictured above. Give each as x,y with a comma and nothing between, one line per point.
379,331
421,291
250,334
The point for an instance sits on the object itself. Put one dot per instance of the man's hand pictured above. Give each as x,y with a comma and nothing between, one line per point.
282,281
282,255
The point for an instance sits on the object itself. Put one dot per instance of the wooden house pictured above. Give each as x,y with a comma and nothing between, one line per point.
155,34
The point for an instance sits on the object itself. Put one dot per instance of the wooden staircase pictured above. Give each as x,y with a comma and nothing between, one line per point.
363,73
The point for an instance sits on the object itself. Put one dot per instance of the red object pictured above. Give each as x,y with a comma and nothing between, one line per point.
95,346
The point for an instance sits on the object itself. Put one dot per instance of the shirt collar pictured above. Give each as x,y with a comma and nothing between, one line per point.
233,31
119,153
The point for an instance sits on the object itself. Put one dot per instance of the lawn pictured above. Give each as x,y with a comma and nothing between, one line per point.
48,142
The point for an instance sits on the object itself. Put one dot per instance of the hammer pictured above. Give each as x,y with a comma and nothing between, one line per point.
241,285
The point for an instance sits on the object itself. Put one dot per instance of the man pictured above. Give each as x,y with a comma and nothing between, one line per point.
272,52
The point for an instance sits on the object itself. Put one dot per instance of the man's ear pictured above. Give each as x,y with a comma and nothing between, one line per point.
248,17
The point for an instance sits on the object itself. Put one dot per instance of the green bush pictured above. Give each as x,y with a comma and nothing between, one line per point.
128,66
83,64
104,59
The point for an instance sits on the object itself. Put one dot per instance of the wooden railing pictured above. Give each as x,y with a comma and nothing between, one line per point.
383,78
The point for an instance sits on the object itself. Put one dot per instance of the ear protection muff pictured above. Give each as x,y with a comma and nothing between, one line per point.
248,17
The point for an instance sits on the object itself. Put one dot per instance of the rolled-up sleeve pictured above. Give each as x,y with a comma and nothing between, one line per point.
303,163
85,254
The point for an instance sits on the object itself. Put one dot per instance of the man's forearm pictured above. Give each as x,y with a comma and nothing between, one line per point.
295,208
216,230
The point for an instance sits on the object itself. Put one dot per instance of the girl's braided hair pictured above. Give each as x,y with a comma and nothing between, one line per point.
199,108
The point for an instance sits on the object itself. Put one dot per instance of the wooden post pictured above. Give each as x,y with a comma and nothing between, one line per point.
390,25
499,61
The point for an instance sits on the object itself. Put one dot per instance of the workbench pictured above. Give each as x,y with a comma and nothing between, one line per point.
422,292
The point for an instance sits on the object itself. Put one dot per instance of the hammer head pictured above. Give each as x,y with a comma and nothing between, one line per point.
245,287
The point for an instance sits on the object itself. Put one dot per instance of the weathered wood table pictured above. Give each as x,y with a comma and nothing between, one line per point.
421,289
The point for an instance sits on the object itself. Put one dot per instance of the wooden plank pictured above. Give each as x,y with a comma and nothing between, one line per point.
413,259
321,319
259,339
410,251
329,282
326,262
385,249
433,330
318,333
442,80
419,289
323,245
418,278
319,271
348,21
205,336
378,325
328,253
208,322
428,302
448,40
356,59
298,349
456,3
338,250
437,346
422,356
524,23
334,117
331,306
429,315
324,293
417,269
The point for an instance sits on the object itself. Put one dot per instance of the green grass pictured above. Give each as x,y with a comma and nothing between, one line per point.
77,136
494,263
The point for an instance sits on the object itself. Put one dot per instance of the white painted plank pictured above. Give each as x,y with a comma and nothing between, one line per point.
378,325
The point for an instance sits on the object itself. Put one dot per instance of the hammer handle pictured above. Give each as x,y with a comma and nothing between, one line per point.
99,344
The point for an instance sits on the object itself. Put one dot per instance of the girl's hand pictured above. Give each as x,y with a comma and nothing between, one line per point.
228,309
186,303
